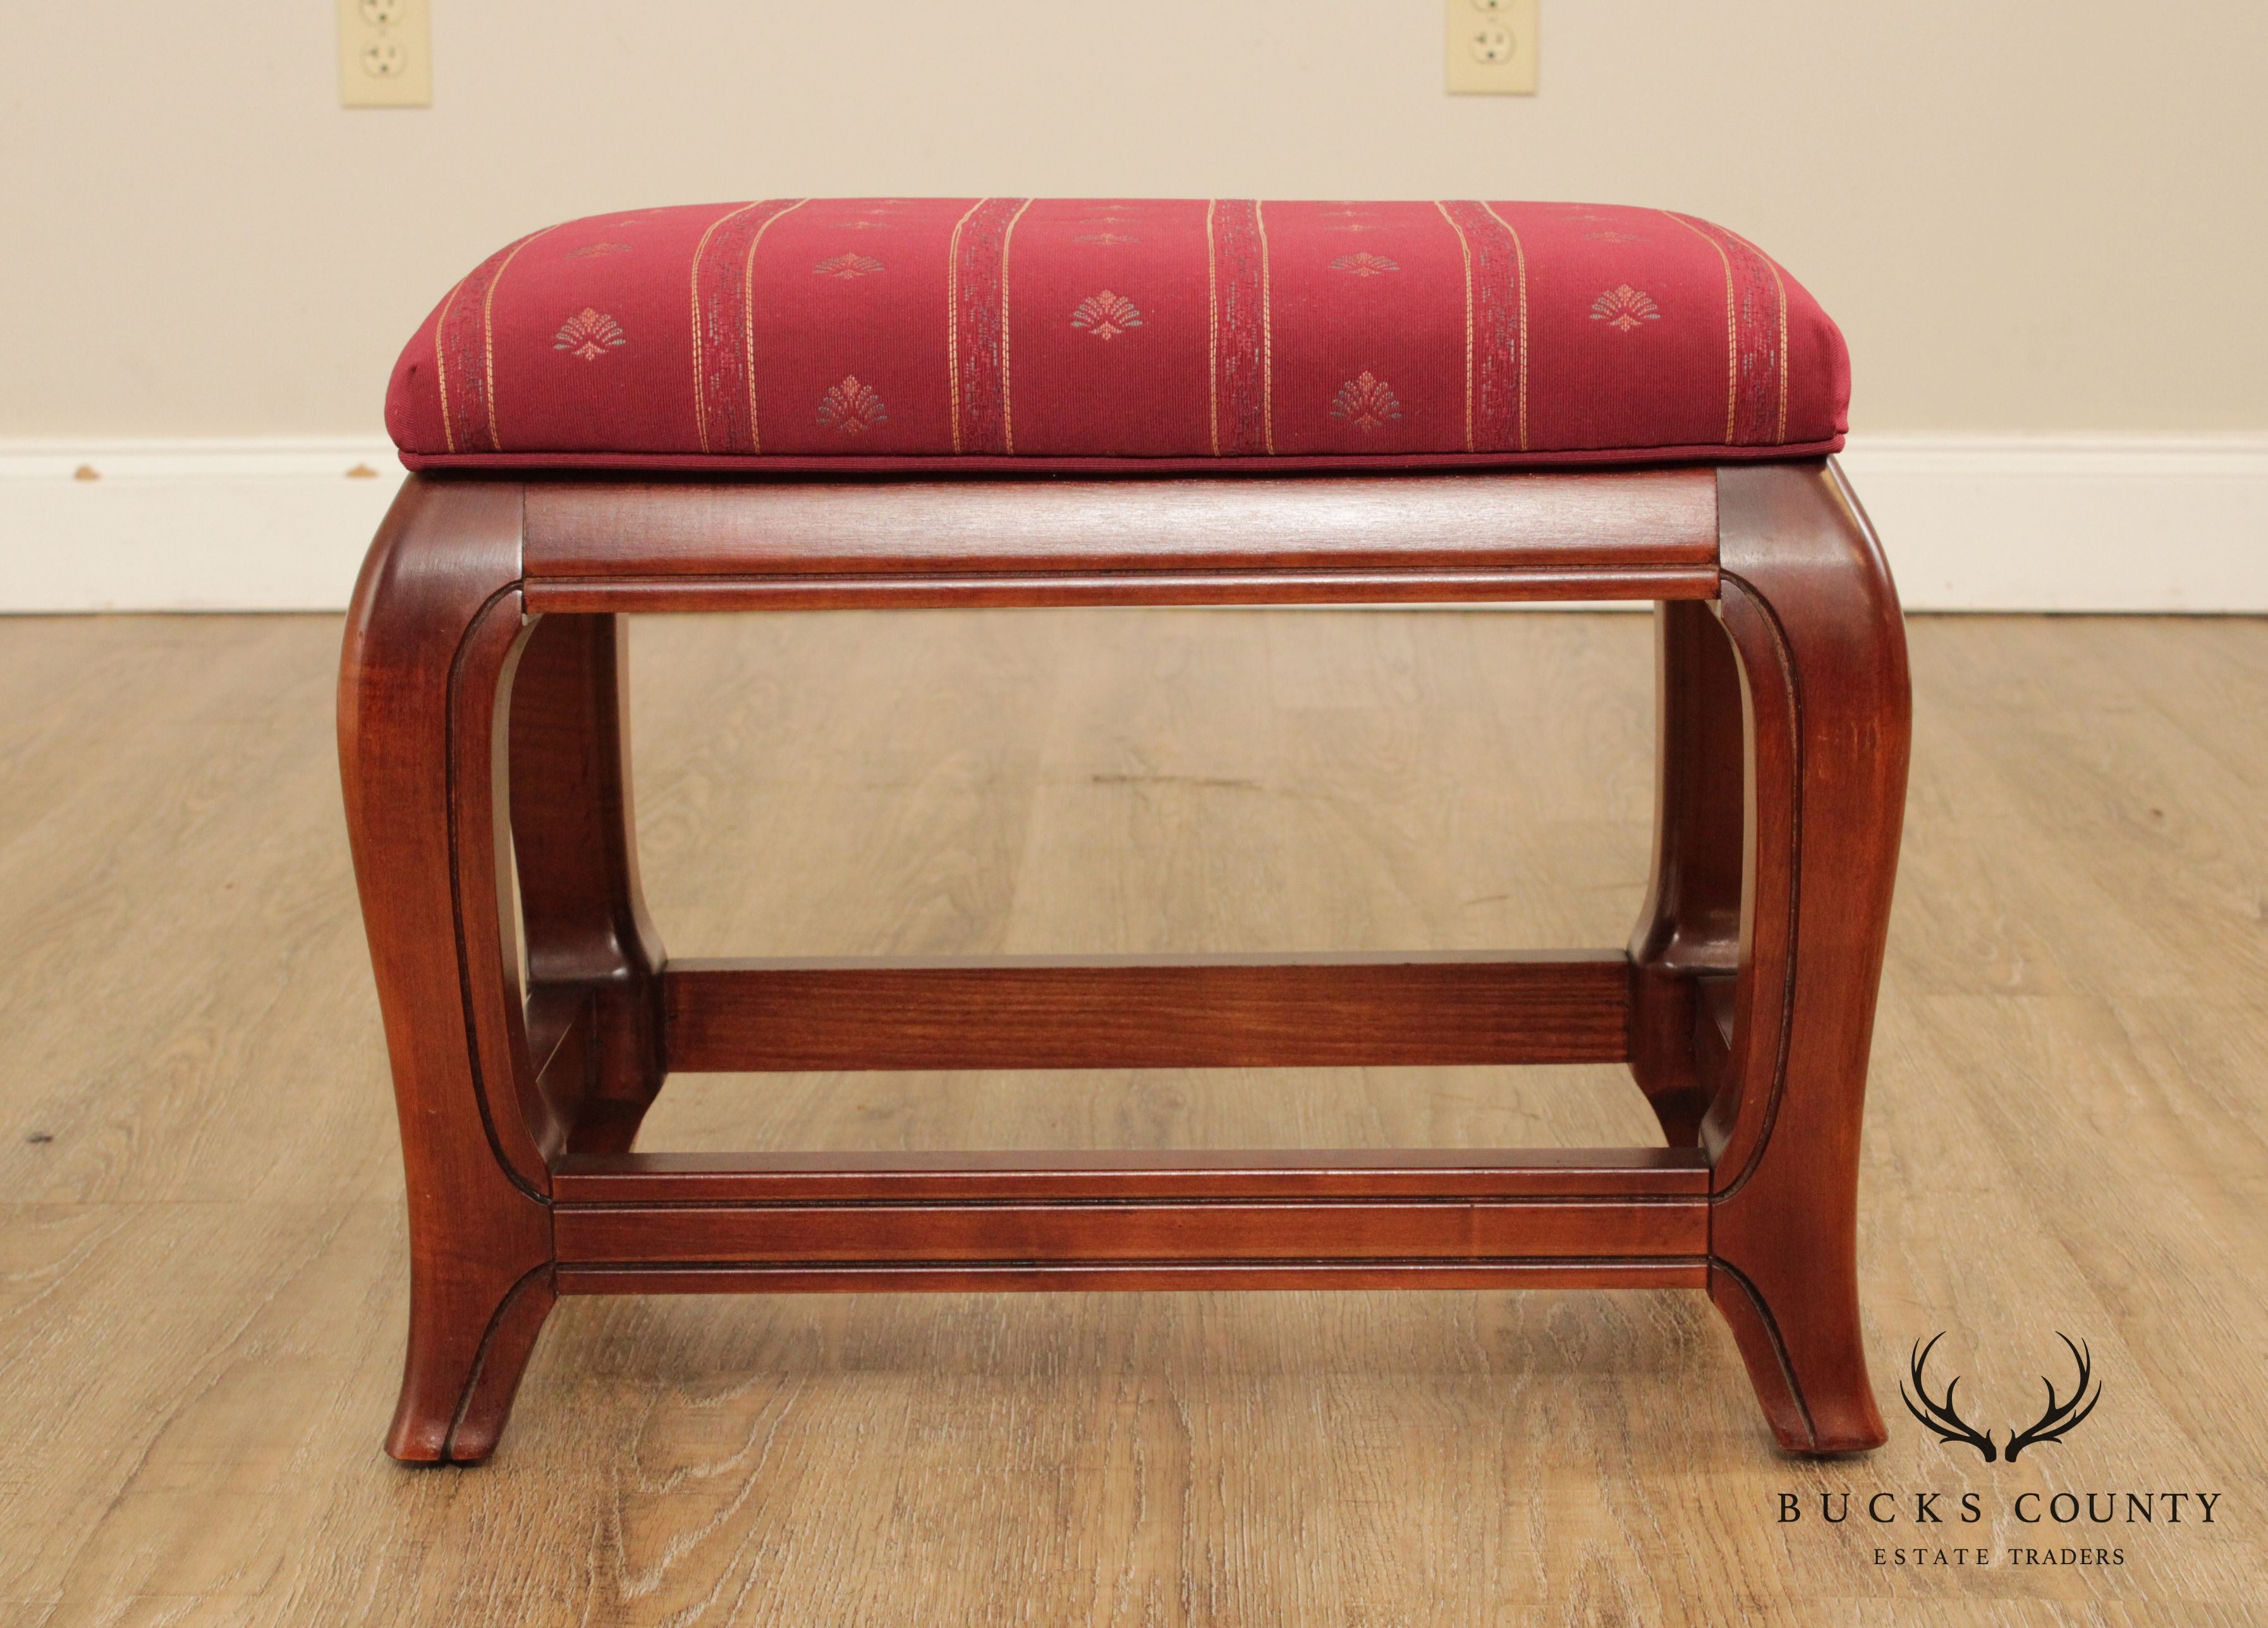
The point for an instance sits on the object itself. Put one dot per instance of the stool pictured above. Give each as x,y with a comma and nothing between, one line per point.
801,404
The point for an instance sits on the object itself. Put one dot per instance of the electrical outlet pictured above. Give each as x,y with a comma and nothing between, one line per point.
1491,47
386,53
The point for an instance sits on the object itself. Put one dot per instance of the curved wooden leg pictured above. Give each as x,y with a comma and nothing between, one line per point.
1808,602
1690,928
425,681
589,938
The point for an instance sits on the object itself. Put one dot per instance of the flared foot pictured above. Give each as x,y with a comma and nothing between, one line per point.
463,1371
1808,1368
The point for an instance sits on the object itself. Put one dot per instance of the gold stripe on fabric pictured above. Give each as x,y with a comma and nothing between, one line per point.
748,324
488,330
1780,293
1520,277
1779,290
1732,328
953,317
693,296
1267,336
1212,331
1007,413
1465,248
441,364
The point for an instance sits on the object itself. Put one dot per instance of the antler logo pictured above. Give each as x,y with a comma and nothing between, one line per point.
1940,1416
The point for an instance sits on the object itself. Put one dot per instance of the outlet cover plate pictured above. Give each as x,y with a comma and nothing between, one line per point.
386,53
1491,47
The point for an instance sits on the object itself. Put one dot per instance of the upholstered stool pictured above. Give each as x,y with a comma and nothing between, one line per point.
805,403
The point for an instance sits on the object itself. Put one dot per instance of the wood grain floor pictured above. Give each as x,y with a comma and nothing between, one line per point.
201,1285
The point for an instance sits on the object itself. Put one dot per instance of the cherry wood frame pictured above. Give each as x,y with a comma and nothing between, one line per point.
482,741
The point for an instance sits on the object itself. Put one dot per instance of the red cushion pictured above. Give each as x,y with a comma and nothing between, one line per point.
984,332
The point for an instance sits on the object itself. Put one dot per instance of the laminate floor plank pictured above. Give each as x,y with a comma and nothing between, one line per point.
201,1277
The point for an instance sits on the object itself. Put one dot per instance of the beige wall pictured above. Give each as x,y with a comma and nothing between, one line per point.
2027,216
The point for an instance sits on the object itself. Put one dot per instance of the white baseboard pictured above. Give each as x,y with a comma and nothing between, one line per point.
2053,523
2070,523
209,525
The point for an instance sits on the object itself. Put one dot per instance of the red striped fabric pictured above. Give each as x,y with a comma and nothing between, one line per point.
1002,333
